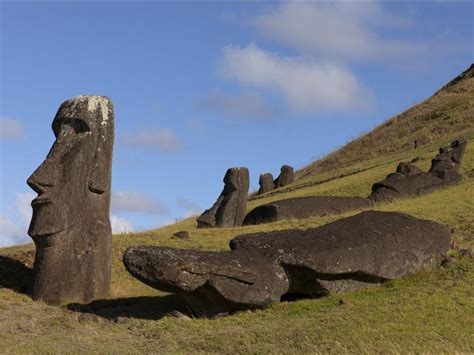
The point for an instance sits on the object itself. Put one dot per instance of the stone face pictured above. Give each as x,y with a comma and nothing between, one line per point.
304,207
210,282
266,183
348,254
229,209
411,181
70,224
286,177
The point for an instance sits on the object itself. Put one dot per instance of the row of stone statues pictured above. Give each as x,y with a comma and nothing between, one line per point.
72,233
408,180
267,184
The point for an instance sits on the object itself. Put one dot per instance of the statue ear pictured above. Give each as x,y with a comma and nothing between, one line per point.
100,178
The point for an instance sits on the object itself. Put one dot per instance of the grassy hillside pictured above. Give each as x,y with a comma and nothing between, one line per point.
432,311
450,111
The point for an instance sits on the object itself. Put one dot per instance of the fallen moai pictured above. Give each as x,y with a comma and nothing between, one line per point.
408,180
304,207
266,183
261,268
70,224
286,177
230,207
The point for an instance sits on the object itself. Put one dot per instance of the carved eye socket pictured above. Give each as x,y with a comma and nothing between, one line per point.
80,126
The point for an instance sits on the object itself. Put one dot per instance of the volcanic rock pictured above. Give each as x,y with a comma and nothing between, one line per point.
70,224
229,209
348,254
411,181
287,176
266,183
304,207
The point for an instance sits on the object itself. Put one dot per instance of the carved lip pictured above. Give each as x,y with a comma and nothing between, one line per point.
40,201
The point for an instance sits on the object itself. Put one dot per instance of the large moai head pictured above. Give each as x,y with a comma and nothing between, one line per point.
70,224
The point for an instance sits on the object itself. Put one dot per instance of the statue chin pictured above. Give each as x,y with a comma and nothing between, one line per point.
46,223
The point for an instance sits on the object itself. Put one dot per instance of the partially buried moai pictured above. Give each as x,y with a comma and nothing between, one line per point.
286,177
230,207
71,224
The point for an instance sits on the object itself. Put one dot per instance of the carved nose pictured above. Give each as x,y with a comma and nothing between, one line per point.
42,178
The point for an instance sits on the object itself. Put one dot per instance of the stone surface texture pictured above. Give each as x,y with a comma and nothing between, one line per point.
304,207
286,177
70,224
348,254
408,180
266,183
230,207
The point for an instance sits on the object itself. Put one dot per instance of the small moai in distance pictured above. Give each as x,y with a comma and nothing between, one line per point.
409,180
230,207
286,177
266,183
70,225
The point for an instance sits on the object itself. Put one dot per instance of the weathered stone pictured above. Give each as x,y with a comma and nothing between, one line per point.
229,209
348,254
266,183
286,177
181,235
210,282
304,207
411,181
70,224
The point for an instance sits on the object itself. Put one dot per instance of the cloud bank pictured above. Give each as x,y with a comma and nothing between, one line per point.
306,85
136,202
162,139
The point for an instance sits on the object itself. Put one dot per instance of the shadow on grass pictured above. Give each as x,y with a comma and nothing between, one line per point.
150,308
14,274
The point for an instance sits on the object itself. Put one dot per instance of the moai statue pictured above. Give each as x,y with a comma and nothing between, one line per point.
70,224
287,176
266,183
230,207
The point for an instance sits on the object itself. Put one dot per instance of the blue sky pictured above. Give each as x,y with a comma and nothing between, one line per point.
201,87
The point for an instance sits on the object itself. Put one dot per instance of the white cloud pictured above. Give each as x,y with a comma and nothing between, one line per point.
346,31
23,205
133,201
12,233
308,86
11,128
249,106
163,139
188,205
120,225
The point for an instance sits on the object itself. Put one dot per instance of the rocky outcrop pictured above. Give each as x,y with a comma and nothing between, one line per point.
408,180
351,253
286,177
230,207
304,207
70,224
266,183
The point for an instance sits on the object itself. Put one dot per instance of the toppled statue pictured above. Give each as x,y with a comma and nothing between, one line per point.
408,180
70,224
230,207
348,254
266,183
286,177
304,207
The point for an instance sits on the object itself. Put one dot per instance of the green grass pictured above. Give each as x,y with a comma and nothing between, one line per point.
432,311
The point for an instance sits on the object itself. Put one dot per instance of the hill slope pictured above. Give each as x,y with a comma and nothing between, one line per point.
432,311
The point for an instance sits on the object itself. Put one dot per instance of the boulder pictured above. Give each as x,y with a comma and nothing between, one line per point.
348,254
230,207
266,183
286,177
408,180
70,225
304,207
